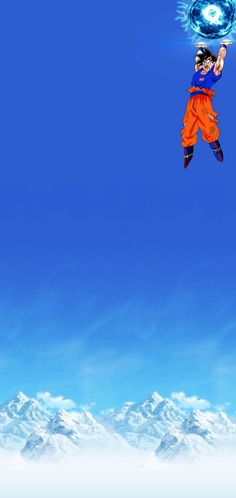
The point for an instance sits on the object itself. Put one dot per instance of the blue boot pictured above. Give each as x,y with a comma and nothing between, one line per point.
217,151
188,155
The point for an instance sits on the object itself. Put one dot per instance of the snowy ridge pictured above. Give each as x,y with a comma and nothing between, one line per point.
177,446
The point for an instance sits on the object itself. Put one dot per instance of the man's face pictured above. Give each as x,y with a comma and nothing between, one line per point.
207,64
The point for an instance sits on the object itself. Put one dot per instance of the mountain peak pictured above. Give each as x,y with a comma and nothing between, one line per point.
14,406
151,403
20,397
155,396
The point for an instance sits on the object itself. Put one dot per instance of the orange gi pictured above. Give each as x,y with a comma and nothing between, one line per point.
199,114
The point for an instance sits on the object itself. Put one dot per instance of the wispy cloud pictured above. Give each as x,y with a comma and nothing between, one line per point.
108,361
56,402
223,406
88,406
192,402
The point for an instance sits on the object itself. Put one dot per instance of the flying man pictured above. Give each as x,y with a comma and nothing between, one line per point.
199,112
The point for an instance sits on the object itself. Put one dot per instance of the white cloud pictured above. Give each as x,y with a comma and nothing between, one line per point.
57,402
190,401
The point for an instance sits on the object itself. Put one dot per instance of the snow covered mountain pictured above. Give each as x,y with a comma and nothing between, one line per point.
209,425
67,434
200,434
153,425
178,446
158,424
144,424
18,419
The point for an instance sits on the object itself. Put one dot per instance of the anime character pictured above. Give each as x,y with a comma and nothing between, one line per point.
199,112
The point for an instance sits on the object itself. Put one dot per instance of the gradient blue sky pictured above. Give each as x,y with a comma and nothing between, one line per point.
117,267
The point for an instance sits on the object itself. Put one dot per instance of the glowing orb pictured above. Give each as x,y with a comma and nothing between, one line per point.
213,14
212,20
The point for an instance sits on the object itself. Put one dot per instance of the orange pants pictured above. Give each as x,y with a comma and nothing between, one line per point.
199,114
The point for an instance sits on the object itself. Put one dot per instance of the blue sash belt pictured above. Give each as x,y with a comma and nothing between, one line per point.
198,93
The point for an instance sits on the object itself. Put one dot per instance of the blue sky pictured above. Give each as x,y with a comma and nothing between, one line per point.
117,267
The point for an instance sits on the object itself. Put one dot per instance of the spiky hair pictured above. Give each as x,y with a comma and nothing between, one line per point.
203,54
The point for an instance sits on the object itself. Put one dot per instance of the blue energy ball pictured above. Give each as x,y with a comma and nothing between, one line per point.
211,19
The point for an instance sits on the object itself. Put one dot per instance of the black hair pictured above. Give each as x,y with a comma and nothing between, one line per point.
203,54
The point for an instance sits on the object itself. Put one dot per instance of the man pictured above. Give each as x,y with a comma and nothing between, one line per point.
199,112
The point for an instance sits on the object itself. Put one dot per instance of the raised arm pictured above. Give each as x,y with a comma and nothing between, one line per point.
221,57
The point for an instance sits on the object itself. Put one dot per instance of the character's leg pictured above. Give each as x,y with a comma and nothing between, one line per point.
190,128
210,130
189,132
217,151
188,155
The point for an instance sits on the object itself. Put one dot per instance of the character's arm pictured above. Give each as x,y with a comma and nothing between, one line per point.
221,57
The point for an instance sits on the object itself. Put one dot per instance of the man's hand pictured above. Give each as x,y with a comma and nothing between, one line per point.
201,45
227,43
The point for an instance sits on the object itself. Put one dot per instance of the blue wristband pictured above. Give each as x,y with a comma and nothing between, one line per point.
225,46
